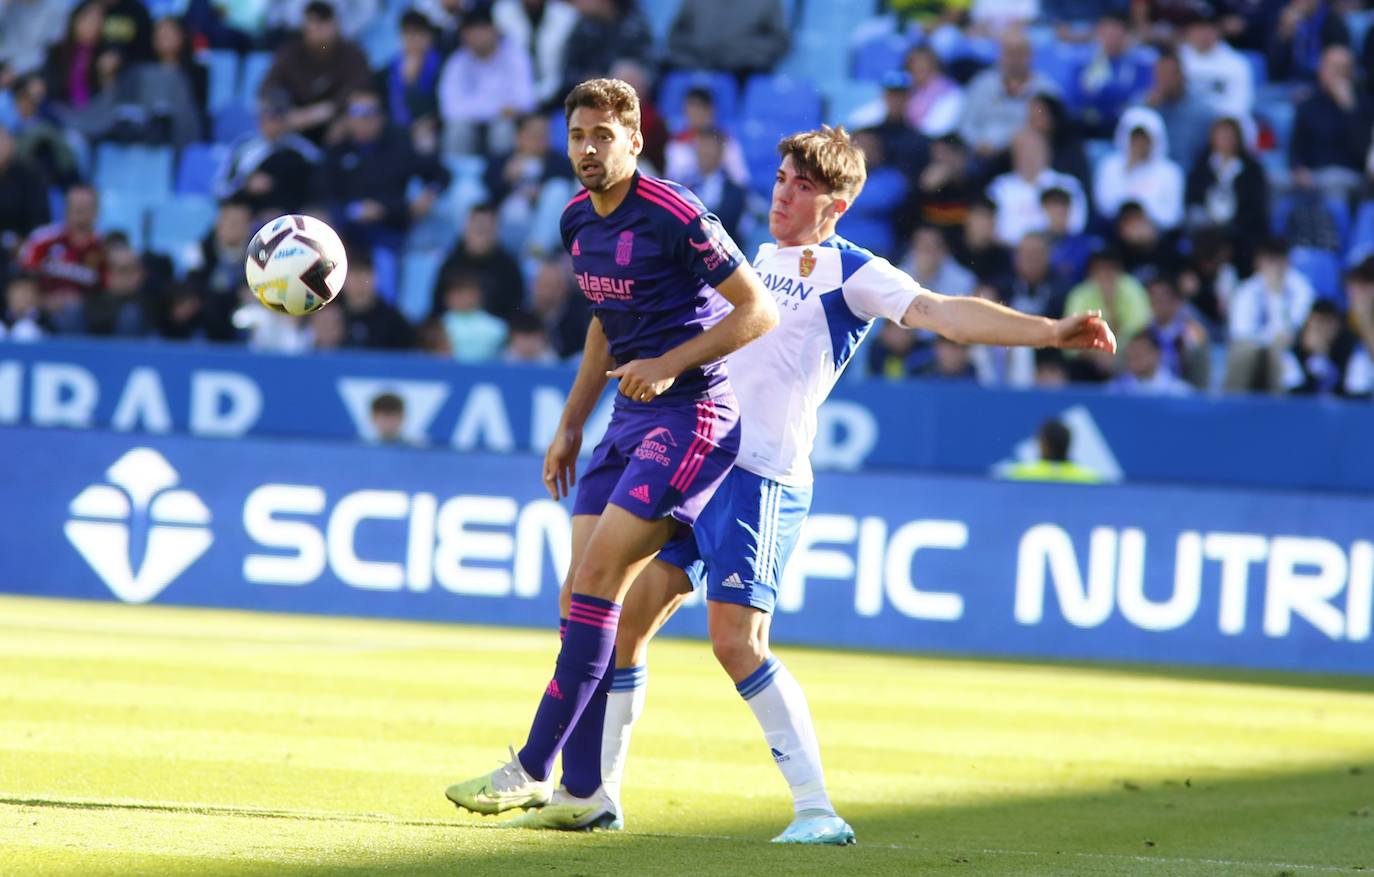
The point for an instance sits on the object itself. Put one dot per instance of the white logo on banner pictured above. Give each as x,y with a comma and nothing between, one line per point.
138,497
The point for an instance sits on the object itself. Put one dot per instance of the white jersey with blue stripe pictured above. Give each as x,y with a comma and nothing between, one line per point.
828,295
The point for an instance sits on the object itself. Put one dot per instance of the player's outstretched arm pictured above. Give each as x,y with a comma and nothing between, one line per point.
560,460
754,313
970,320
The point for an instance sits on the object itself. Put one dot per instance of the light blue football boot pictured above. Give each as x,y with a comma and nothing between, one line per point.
817,827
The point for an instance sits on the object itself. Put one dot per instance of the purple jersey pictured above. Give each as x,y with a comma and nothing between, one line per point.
648,270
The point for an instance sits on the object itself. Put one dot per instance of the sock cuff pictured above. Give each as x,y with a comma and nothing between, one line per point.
759,679
594,611
630,678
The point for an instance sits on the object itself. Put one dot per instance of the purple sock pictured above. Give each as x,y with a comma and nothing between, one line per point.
582,749
583,661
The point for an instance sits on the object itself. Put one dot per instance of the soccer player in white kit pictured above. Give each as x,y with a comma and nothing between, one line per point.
829,293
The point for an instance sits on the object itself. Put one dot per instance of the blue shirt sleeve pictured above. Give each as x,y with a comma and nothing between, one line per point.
705,248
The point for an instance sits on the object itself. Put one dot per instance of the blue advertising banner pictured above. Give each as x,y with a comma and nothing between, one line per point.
903,562
867,424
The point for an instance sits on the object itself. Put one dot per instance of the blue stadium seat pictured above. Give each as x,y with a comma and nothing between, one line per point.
1337,207
558,130
873,58
419,271
1358,23
1322,268
126,211
144,169
787,101
758,140
224,78
197,165
1259,67
386,273
1061,63
1362,235
660,14
1279,115
847,96
816,53
234,121
255,68
672,94
178,225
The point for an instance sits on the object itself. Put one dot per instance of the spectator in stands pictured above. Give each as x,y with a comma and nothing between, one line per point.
411,83
1124,304
127,27
23,195
476,336
1359,293
996,100
447,17
529,341
607,31
166,94
517,182
1001,366
1051,369
651,123
479,254
873,218
318,71
22,318
273,332
372,323
1331,134
542,29
388,416
1181,339
126,305
186,316
946,187
69,257
1111,80
896,353
81,72
1140,170
1017,194
1216,73
935,102
1047,115
560,306
721,195
951,361
998,15
484,86
739,36
1053,440
1145,374
1327,359
329,329
365,178
1265,315
273,171
979,250
27,29
285,18
699,107
1209,279
930,264
1304,29
1145,250
431,337
38,138
1069,251
1033,288
907,149
218,274
1227,189
1186,115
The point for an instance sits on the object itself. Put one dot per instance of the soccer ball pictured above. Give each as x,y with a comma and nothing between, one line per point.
296,264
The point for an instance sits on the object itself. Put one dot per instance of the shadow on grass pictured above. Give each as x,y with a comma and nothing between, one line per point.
1315,822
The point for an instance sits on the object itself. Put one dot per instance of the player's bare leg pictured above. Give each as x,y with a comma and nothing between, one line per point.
739,638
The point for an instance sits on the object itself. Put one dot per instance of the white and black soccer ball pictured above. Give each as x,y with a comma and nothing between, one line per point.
296,264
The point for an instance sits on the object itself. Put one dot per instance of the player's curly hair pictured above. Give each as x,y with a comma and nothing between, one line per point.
614,95
827,155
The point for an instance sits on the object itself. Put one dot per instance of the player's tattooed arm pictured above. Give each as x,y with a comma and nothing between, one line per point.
969,320
560,460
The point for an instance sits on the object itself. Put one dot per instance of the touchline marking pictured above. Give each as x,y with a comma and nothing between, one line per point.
193,808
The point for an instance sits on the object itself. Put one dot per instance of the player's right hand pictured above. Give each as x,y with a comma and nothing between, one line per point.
560,462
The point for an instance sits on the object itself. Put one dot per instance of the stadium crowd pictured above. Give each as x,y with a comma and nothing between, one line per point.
1202,172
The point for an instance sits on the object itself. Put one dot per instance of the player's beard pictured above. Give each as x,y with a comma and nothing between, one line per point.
604,178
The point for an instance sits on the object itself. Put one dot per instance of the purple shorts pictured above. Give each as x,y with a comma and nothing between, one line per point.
661,460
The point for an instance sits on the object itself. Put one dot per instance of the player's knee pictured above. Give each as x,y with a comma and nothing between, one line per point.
738,651
596,578
632,641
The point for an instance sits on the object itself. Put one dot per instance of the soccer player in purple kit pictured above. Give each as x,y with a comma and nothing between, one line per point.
661,275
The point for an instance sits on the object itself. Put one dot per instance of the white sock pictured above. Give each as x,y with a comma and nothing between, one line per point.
624,706
780,706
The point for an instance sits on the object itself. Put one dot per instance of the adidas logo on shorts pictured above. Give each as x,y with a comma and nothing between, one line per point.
641,493
733,581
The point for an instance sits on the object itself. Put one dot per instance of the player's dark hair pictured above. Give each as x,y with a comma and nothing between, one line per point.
1275,247
828,156
525,323
412,20
388,403
612,95
1146,337
1055,195
1055,440
320,9
700,93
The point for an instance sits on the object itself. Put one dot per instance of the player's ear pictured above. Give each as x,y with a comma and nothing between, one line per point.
838,206
636,142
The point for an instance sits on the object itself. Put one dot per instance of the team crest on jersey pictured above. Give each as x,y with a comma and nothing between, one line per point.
625,248
807,263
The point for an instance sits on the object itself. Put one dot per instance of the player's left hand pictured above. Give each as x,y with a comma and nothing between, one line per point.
644,379
1084,332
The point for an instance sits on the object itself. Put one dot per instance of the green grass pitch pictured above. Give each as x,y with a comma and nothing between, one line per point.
153,740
